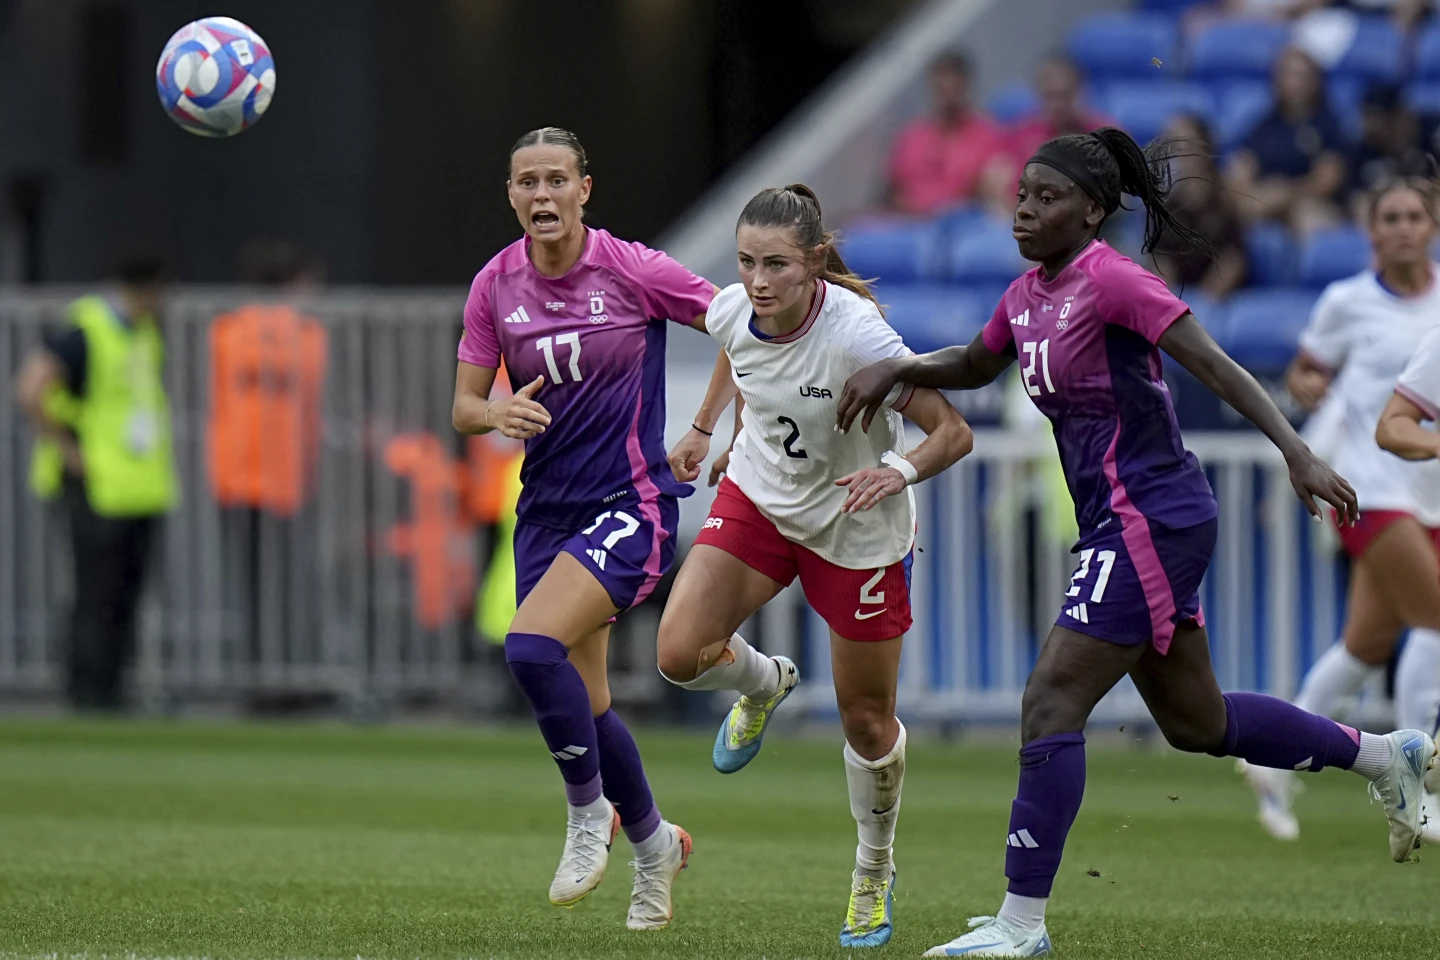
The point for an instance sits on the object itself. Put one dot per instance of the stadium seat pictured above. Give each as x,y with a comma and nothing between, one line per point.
1240,106
1331,255
1111,46
985,255
895,250
1236,50
1173,7
957,221
1427,53
1143,109
932,316
1345,95
1271,255
1424,97
1012,101
1376,55
1264,326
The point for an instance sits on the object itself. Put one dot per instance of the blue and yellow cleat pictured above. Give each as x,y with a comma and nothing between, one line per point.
870,921
743,728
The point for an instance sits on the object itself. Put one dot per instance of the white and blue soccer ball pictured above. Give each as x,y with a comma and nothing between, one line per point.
216,77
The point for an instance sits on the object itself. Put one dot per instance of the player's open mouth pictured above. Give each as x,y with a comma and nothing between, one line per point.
544,219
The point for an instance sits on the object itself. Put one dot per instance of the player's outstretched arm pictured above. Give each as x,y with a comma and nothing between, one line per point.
954,368
1193,348
694,447
948,438
1400,432
518,417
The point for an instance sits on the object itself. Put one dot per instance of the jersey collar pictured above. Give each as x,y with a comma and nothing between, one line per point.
801,330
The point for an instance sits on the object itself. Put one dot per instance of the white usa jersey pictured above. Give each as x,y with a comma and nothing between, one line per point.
1367,335
788,454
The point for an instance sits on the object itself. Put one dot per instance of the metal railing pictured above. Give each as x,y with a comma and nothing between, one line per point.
335,607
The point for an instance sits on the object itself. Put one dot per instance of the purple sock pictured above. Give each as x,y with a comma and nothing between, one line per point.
542,669
624,777
1272,733
1052,784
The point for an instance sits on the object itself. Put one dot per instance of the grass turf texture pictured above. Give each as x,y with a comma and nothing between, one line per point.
327,842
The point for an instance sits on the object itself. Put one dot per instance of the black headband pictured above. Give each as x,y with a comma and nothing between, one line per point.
1057,157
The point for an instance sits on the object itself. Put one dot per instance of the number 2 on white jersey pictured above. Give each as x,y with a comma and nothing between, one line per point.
548,344
1037,352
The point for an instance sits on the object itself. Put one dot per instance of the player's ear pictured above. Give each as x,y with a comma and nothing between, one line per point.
1094,215
585,184
510,194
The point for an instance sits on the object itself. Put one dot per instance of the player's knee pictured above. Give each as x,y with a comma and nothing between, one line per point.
870,725
1048,708
675,664
1194,734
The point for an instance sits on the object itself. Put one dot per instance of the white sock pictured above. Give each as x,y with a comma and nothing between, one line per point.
1336,677
747,670
597,809
655,844
875,786
1027,913
1417,682
1374,757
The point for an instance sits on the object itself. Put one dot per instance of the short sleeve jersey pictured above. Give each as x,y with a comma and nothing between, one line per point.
1420,383
1085,341
1366,335
597,336
788,454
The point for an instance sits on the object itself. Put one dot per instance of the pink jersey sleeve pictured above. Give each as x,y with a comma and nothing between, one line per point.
997,335
1134,298
671,292
479,344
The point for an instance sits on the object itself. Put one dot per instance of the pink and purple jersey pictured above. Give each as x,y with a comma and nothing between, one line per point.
1086,344
597,336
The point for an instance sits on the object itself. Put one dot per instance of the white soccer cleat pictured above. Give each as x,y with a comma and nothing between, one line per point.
1430,818
582,864
1275,790
1402,787
993,937
651,906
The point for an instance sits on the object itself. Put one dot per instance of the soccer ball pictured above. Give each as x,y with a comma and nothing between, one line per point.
215,77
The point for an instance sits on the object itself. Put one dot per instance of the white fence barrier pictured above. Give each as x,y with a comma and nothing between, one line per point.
334,609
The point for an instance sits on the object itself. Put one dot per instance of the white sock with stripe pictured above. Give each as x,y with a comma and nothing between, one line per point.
875,803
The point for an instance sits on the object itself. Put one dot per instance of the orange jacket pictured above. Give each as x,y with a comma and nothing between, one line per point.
267,373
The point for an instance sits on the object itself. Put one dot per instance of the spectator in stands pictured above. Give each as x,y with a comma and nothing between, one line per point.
1394,143
1199,200
1406,13
1061,88
938,159
1291,167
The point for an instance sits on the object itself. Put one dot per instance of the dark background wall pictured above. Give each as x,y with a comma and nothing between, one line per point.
385,149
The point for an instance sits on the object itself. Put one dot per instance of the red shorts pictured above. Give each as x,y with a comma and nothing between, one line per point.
865,605
1357,539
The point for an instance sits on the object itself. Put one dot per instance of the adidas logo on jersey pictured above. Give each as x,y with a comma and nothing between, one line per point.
820,392
1078,612
519,316
598,555
1021,321
1021,838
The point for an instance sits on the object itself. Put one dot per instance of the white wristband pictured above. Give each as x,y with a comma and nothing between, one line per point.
906,468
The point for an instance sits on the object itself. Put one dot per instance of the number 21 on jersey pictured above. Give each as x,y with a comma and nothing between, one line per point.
1037,355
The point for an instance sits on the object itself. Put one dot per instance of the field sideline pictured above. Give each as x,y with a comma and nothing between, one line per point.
259,842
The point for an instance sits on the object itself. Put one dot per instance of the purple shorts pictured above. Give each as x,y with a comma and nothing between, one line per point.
628,546
1137,584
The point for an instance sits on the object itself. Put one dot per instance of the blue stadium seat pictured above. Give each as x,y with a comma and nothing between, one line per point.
1345,95
1172,7
1427,53
1264,327
1377,54
1012,101
1271,254
1240,106
1143,109
957,221
1110,46
1424,97
932,316
1331,255
985,255
895,250
1236,50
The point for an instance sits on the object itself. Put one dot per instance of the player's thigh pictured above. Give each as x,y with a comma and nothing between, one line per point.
1180,689
1074,670
714,592
589,657
1403,565
568,604
1372,625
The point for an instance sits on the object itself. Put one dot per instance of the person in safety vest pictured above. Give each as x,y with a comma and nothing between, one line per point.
95,395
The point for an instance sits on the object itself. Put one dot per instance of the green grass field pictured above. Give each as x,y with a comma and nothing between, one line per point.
221,841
